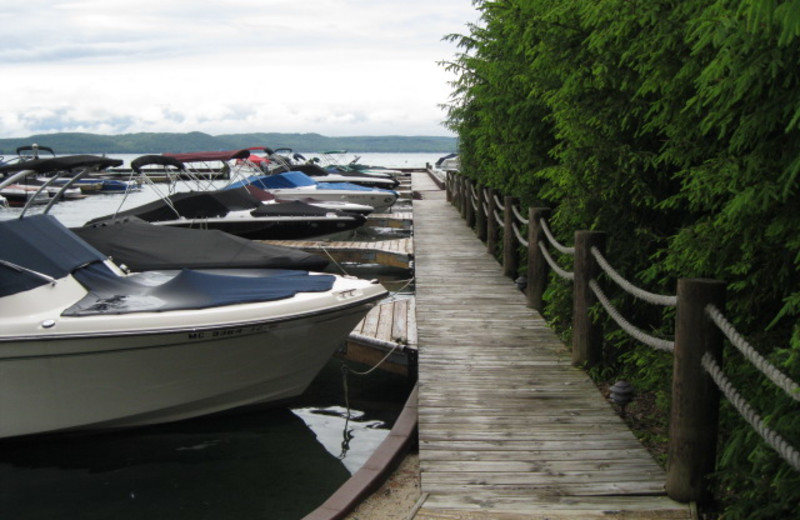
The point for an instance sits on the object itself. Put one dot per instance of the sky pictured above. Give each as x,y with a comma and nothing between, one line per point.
333,67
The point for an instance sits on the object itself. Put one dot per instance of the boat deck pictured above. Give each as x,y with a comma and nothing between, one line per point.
508,428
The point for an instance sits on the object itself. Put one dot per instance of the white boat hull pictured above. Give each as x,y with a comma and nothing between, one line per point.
379,200
72,381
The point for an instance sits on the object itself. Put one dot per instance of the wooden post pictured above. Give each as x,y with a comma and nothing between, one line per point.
491,223
462,201
480,216
587,337
469,208
537,265
691,454
510,243
448,187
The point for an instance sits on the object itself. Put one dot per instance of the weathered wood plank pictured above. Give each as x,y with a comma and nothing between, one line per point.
506,424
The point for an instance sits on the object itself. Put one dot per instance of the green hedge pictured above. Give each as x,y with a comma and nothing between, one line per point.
673,126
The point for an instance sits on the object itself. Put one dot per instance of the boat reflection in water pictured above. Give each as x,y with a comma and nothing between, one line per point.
260,465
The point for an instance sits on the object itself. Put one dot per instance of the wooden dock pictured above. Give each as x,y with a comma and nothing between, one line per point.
508,428
392,253
389,329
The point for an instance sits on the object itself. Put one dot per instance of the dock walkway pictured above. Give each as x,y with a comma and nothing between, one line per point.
508,428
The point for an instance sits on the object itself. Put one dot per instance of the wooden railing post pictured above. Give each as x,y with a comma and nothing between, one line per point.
691,454
537,265
469,209
587,336
448,186
480,216
491,223
510,243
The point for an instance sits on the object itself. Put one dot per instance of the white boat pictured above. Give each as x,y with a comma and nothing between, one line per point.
295,185
85,346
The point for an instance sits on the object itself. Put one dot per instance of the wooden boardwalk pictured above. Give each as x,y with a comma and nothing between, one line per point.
508,428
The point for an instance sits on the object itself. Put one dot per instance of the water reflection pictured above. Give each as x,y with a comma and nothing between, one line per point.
271,464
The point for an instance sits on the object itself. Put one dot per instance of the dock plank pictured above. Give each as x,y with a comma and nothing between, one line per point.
508,428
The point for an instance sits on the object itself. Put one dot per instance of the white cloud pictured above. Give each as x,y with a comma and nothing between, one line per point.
336,67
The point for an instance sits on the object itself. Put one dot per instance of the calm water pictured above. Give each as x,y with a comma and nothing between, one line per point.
273,464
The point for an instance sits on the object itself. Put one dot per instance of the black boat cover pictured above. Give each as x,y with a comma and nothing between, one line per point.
42,244
142,247
55,164
189,204
188,290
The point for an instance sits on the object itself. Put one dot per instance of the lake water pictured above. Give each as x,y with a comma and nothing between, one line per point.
274,464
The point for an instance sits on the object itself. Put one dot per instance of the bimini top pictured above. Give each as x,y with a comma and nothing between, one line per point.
55,164
225,155
159,160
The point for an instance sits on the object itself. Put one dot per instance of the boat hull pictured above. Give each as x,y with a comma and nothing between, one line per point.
115,381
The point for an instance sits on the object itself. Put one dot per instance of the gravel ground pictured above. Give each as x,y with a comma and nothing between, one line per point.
396,498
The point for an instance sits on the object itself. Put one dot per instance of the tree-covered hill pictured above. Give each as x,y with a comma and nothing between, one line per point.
66,143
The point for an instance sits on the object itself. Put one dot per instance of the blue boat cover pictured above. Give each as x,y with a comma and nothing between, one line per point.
295,179
42,244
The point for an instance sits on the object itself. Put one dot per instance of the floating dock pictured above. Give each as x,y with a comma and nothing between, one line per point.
387,335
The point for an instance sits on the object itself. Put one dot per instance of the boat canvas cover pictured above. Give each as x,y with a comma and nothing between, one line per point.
296,179
188,290
226,155
285,180
44,245
189,204
142,246
55,164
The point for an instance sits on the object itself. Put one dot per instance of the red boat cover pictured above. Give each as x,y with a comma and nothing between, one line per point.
225,155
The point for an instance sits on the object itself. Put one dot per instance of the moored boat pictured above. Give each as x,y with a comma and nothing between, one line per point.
85,346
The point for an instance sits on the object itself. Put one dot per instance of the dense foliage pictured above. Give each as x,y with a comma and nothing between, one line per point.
674,127
68,143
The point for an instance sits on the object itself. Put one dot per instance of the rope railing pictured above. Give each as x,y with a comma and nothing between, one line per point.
780,379
499,204
634,332
499,219
566,275
656,299
778,443
518,234
555,243
520,218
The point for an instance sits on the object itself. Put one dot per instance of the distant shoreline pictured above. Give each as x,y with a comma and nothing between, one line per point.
75,142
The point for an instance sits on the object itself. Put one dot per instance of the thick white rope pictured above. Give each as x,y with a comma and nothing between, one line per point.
564,249
657,299
638,334
553,265
778,443
760,362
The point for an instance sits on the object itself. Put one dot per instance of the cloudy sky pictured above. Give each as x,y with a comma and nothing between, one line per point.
334,67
